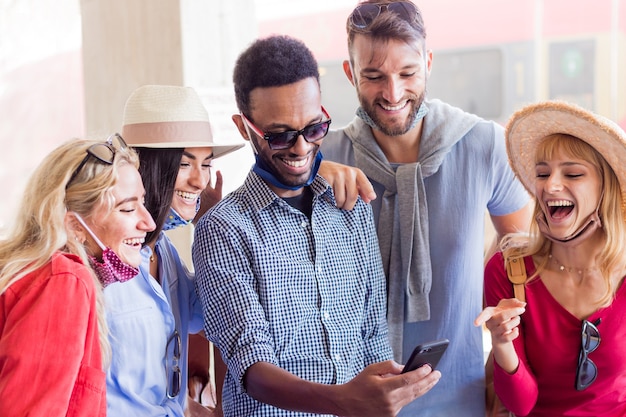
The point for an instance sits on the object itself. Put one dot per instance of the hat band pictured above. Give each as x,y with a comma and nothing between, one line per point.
139,134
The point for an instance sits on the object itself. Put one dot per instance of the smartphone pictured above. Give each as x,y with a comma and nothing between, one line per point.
427,353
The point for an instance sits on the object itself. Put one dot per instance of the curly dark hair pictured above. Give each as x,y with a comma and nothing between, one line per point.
271,62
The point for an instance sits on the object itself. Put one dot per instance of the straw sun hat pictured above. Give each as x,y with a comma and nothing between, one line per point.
164,116
530,125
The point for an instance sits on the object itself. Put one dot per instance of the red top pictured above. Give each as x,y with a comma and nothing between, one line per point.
50,360
548,348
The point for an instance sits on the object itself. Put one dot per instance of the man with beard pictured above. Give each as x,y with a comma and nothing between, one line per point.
436,169
292,287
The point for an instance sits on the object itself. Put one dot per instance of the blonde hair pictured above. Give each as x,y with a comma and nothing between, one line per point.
39,230
611,212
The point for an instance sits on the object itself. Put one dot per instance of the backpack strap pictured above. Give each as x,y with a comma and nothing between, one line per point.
516,271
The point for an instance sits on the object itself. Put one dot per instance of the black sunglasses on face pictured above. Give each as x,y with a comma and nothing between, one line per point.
103,152
285,140
587,371
364,14
174,374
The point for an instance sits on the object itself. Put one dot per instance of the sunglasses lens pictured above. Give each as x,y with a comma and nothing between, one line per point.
177,347
364,14
117,141
175,382
282,140
316,132
103,152
406,11
590,337
587,373
173,370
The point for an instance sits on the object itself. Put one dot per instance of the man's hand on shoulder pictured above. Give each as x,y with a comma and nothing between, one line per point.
348,184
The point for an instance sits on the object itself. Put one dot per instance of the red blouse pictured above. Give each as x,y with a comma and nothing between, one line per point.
50,360
548,349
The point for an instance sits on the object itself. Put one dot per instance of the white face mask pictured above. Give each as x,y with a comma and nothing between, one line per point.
111,269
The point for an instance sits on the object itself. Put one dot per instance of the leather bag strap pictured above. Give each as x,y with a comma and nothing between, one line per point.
516,271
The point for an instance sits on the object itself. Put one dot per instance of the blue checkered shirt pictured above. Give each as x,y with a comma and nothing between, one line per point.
307,295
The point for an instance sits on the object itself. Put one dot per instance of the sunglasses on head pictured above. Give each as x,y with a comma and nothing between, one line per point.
364,14
103,152
587,371
285,140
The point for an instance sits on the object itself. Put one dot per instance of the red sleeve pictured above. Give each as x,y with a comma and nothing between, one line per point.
497,284
517,391
44,320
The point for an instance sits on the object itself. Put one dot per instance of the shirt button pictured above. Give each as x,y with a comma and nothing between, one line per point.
326,315
338,357
304,225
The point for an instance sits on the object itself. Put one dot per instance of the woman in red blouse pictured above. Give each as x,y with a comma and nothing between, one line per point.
561,353
82,206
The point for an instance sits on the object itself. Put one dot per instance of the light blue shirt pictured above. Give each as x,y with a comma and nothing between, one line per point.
142,315
307,295
474,177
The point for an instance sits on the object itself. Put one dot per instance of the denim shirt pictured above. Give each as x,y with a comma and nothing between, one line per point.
142,316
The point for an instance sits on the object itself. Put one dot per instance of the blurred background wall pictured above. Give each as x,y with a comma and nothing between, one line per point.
66,67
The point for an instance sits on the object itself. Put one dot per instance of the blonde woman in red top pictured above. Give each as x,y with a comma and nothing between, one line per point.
561,353
82,207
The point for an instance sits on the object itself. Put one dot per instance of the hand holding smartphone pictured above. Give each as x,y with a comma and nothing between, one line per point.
427,353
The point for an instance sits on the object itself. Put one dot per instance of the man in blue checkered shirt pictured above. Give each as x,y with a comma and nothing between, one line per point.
292,287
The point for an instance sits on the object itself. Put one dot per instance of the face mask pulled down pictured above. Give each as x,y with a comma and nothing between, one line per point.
111,269
592,224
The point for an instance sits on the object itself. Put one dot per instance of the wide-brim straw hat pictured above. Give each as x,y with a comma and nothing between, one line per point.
167,116
530,125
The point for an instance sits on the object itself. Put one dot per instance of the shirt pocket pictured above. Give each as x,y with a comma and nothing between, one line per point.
88,397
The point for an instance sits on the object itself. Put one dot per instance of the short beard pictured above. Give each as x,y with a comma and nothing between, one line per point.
415,103
271,165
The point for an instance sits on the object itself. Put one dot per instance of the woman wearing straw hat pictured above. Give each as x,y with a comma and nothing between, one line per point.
561,352
151,316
